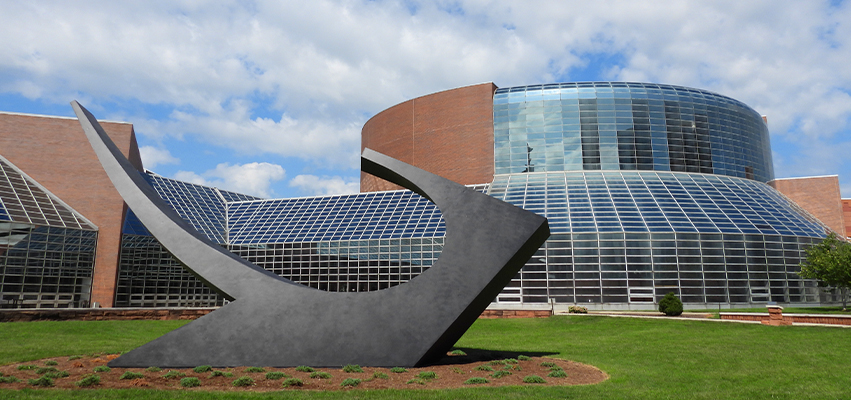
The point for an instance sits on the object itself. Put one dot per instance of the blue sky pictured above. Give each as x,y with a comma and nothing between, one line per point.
268,97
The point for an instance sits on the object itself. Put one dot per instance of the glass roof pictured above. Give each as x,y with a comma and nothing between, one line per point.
622,201
375,215
25,201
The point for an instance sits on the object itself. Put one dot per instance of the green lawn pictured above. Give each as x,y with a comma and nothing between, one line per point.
646,358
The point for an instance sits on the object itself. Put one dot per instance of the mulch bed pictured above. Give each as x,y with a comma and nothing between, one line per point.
451,372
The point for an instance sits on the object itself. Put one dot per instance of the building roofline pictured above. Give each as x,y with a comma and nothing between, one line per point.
805,177
58,117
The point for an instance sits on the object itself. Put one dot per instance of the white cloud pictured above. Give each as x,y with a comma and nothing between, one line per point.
252,178
314,185
152,157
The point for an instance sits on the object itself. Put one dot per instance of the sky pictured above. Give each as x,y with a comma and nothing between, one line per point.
268,97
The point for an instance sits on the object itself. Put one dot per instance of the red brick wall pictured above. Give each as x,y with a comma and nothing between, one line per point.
55,152
818,195
448,133
846,214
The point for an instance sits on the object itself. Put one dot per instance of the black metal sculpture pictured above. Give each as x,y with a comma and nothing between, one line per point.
272,321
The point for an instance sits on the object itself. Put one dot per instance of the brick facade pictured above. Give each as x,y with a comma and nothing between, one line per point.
54,152
820,196
846,214
448,133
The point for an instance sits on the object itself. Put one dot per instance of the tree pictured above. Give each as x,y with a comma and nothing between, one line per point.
671,305
830,263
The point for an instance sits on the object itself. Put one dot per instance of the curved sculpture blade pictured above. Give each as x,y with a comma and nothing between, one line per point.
275,322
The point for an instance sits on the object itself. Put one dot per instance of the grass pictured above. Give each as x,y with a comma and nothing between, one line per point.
645,358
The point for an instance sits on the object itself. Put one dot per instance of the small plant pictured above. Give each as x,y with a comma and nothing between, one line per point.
533,379
484,368
43,382
476,381
379,375
221,373
9,379
190,382
524,358
548,364
498,362
44,370
292,382
202,368
27,367
304,368
577,310
153,369
500,374
243,381
427,375
255,369
51,362
418,381
173,374
557,374
511,361
457,352
131,375
102,368
320,375
57,374
72,358
88,381
350,382
670,305
556,368
457,370
275,375
352,368
398,370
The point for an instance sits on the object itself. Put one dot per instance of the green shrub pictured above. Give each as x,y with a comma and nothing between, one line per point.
153,369
274,375
379,375
51,362
557,374
202,368
484,368
398,370
9,379
556,368
43,382
548,364
243,381
190,382
427,375
57,374
498,362
533,379
352,368
72,358
88,380
44,370
131,375
255,369
292,382
457,352
27,367
304,368
524,358
577,310
500,374
671,305
221,373
350,382
102,368
320,375
476,381
173,374
418,381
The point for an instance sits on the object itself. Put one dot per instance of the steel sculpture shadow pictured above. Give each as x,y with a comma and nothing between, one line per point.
272,321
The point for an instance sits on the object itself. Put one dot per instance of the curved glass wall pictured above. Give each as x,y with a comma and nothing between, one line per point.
627,126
